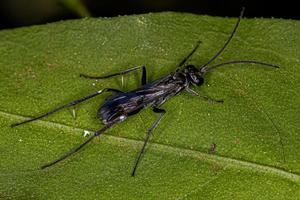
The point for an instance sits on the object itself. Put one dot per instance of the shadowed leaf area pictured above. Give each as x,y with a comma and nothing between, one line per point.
256,129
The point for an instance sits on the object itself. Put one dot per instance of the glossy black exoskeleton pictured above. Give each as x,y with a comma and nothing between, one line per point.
123,104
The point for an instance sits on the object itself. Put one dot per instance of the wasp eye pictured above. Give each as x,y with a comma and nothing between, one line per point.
200,81
194,75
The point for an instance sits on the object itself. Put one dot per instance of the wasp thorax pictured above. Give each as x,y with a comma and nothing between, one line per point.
194,75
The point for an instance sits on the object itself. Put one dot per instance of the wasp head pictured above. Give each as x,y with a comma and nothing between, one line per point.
194,75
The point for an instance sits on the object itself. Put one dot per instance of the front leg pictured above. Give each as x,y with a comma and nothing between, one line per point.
188,56
144,74
194,93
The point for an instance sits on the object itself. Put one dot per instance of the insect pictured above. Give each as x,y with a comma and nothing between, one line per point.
212,148
121,104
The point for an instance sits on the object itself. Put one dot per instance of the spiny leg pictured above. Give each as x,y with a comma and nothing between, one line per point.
194,93
73,103
76,149
149,132
144,74
188,56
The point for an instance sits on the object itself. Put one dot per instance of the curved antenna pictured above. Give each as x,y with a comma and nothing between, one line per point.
71,152
227,42
204,70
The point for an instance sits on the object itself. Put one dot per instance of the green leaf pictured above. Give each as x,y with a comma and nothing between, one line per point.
76,6
256,129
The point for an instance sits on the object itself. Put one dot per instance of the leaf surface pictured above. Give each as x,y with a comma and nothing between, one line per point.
256,129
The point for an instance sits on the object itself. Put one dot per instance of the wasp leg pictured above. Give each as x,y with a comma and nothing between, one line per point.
149,133
76,149
144,75
194,93
73,103
73,111
188,56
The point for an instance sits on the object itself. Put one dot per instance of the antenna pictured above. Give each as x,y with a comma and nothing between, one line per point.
226,43
204,70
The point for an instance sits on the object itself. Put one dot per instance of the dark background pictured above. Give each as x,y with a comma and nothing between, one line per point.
16,13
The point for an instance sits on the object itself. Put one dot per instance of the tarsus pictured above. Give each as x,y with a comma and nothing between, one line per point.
74,150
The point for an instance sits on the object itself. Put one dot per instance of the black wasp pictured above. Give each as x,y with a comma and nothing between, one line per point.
123,104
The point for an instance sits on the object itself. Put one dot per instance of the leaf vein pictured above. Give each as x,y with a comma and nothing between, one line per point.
233,162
